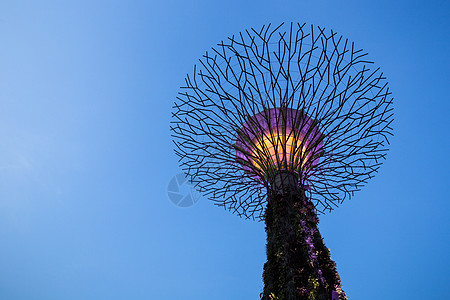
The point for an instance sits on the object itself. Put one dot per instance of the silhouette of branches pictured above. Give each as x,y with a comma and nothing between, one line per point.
296,66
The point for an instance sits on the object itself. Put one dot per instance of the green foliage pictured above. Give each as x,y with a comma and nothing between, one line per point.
298,263
273,297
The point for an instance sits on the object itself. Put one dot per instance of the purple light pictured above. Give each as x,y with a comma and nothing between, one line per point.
334,295
279,139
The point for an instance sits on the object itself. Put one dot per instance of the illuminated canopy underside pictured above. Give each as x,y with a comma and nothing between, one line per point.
279,139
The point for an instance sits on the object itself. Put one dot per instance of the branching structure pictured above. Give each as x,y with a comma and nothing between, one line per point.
294,114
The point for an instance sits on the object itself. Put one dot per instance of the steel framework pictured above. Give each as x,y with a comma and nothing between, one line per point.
262,88
300,67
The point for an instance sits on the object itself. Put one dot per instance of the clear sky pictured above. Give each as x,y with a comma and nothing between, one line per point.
86,89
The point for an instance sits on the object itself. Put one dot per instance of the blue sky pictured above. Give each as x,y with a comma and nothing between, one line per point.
86,89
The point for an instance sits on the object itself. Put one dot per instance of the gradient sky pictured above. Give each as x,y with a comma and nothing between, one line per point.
86,89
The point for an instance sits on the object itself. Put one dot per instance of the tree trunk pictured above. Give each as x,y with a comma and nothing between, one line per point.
298,263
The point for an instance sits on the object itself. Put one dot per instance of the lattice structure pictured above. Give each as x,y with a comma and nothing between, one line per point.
308,70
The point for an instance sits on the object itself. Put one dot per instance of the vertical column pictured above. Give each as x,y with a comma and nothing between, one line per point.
298,263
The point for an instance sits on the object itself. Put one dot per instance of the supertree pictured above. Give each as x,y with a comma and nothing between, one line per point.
281,124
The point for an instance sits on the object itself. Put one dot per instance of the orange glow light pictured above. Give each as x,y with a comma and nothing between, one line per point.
279,151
